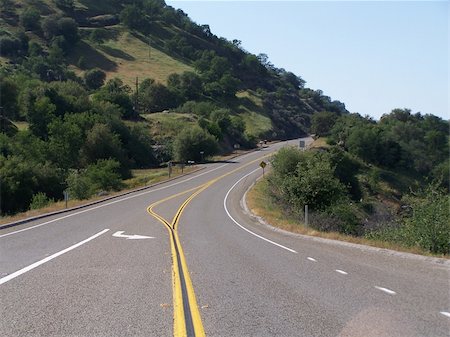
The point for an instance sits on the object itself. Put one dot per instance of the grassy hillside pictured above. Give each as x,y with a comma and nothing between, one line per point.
126,56
71,112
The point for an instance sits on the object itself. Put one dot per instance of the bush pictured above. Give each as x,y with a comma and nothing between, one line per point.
30,19
79,186
194,144
339,218
94,78
40,200
9,46
103,175
310,182
427,224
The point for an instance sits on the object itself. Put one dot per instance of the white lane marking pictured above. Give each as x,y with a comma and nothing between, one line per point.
111,203
341,272
120,234
386,290
242,227
51,257
311,259
445,313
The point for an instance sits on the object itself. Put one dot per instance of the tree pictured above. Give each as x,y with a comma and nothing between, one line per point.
30,18
65,141
101,143
133,17
49,26
322,122
40,116
9,46
94,78
188,85
116,92
194,144
139,147
65,5
104,175
8,98
68,28
312,182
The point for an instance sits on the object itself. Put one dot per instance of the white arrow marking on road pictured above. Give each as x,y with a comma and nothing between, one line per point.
120,234
445,313
386,290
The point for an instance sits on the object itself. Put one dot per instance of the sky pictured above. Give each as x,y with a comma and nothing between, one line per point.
374,56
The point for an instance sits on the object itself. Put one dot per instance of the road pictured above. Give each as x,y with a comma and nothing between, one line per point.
182,258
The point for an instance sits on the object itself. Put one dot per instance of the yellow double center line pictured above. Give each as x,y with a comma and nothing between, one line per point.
187,320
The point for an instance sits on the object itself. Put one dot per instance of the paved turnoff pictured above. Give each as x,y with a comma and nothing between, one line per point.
182,259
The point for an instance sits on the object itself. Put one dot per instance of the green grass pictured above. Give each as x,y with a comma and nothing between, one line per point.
256,124
22,126
166,125
249,105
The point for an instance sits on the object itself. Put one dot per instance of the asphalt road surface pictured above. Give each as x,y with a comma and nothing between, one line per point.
183,259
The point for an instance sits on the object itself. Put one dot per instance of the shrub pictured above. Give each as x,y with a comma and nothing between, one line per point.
9,46
428,225
311,182
40,200
104,175
194,144
94,78
79,186
30,19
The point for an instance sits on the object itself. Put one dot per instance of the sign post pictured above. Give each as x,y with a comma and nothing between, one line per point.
302,144
306,215
66,196
263,165
170,168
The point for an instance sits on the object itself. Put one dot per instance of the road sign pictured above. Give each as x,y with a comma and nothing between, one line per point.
263,164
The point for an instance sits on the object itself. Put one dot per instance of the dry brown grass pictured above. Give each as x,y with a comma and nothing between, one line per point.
319,142
260,204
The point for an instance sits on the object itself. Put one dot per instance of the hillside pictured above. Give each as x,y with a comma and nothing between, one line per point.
147,39
74,119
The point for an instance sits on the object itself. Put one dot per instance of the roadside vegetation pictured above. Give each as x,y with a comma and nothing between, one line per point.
72,117
385,181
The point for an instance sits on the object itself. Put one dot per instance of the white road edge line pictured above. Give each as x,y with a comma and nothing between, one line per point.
341,272
445,313
112,202
311,259
47,259
242,227
386,290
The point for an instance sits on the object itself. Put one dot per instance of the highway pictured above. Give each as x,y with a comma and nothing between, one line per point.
183,259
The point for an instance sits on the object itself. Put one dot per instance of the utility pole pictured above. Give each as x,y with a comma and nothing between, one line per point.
136,98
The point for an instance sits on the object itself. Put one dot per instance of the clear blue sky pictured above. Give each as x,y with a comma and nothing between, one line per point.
372,55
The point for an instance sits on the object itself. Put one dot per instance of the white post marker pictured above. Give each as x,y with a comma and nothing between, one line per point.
120,234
